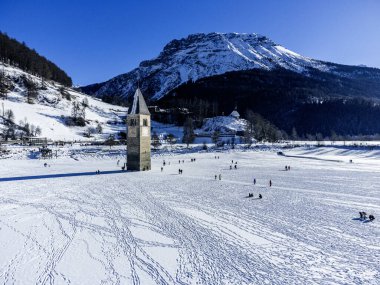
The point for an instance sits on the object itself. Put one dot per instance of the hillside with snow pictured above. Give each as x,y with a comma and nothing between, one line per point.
53,105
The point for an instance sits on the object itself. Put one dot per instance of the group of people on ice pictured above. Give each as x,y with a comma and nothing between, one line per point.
180,170
250,195
220,176
363,216
235,165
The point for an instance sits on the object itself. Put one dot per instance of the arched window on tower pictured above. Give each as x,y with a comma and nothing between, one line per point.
132,122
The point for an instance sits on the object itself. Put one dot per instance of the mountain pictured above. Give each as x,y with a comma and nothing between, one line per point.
211,73
203,55
28,103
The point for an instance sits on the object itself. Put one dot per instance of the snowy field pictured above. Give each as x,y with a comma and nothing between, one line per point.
62,224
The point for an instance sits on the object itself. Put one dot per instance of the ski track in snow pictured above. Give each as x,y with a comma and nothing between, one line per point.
163,228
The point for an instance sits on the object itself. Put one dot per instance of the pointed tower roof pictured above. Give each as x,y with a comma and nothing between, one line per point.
235,113
139,105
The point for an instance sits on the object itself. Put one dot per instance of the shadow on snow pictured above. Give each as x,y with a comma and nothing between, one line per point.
60,175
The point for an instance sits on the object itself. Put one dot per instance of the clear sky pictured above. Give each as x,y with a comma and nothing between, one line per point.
94,40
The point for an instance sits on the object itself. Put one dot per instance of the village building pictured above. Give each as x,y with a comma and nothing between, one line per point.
138,134
34,140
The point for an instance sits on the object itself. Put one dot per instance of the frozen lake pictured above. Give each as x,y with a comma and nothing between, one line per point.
164,228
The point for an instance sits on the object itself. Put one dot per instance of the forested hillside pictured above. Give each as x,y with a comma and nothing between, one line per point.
318,103
20,55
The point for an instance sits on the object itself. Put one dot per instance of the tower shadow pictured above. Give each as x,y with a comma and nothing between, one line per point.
60,175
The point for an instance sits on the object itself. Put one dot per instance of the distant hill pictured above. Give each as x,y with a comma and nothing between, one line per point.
20,55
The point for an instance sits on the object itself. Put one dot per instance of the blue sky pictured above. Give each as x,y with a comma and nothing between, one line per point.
96,40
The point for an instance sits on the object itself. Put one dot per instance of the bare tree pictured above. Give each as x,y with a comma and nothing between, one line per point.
99,129
171,139
85,103
9,115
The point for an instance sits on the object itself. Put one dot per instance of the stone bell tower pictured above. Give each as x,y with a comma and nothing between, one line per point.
138,134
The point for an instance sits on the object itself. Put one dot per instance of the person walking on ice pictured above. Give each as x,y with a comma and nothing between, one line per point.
220,176
254,181
270,183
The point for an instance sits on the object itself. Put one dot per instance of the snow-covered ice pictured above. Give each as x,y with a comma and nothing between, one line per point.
163,228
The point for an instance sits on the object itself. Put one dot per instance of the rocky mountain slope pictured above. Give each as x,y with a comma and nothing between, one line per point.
204,55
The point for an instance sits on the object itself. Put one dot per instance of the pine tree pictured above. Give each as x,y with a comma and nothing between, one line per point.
170,138
31,89
188,132
3,85
215,137
294,134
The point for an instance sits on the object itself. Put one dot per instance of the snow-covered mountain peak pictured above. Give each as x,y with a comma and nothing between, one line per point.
214,40
202,55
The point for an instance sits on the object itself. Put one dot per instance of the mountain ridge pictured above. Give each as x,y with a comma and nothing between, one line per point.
201,55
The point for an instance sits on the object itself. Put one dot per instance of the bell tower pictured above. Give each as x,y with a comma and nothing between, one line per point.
138,134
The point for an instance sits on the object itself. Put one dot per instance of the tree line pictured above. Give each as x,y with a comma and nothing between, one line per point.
317,104
12,130
20,55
